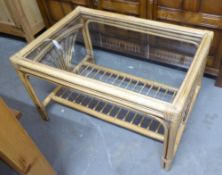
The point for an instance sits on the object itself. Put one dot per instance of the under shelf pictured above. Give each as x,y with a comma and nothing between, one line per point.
127,81
128,118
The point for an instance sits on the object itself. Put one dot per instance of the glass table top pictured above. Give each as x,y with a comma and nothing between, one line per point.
135,61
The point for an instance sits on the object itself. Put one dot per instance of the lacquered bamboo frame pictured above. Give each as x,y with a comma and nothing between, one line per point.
173,116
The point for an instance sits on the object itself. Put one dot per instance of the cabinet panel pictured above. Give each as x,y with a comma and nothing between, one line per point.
54,10
211,7
5,15
191,5
33,14
21,18
171,4
188,17
129,7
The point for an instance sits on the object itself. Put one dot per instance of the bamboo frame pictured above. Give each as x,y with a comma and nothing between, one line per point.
154,116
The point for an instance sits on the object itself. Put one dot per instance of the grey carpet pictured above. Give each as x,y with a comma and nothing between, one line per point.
75,143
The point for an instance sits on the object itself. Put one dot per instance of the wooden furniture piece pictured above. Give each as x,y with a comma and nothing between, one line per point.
156,109
21,18
203,14
17,148
16,113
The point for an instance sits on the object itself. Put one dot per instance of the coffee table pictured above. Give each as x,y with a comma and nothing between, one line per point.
115,88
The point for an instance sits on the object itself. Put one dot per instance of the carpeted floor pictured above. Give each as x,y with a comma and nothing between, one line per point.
75,143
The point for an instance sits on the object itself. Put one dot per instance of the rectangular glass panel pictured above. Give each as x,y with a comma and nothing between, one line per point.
123,58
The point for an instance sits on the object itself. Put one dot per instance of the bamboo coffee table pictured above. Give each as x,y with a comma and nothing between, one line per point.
148,107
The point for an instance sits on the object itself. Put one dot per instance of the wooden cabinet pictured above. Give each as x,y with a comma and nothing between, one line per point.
17,148
20,18
193,13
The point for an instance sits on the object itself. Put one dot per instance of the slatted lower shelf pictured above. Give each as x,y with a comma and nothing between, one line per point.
113,113
127,81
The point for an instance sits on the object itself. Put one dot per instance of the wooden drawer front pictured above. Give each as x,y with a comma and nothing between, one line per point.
176,4
54,10
204,6
190,12
129,7
211,7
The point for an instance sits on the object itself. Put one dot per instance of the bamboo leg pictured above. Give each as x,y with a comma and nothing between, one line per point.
40,107
87,41
169,146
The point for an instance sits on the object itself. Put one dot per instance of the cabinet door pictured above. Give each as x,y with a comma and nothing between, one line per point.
204,14
128,7
21,18
5,16
33,15
8,18
54,10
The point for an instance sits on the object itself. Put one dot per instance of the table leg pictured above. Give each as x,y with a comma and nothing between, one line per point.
39,105
169,146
